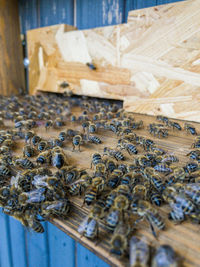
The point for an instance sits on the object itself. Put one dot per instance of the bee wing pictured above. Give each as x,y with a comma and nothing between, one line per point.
36,196
39,181
193,186
82,227
139,251
55,205
14,180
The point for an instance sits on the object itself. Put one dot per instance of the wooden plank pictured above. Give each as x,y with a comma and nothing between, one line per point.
37,248
5,246
61,248
92,14
18,244
130,64
55,12
11,60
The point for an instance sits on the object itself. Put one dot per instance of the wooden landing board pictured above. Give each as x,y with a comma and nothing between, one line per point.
152,62
184,238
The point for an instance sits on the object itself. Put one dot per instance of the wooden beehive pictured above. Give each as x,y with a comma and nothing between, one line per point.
151,63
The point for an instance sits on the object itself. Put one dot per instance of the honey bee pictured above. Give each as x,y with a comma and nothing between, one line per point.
119,242
175,125
131,149
195,155
114,178
42,145
28,136
62,136
165,256
196,143
94,139
44,157
34,196
23,163
59,159
91,66
58,208
76,142
35,140
190,129
29,151
158,130
139,252
79,186
163,119
137,125
113,153
100,169
146,211
48,124
92,128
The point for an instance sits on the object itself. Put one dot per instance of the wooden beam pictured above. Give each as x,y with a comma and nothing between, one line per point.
11,59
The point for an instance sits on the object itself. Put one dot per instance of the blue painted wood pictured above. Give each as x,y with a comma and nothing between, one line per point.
38,248
61,248
28,14
5,246
56,11
92,13
18,246
162,2
85,258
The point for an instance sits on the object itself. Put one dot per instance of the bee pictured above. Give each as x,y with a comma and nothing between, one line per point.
176,214
35,140
175,125
110,165
64,84
171,196
23,163
196,143
59,159
119,242
131,149
85,126
146,211
28,136
91,195
139,252
168,159
100,169
137,125
48,124
76,142
28,151
190,129
194,154
191,167
114,178
155,197
154,179
165,256
31,197
157,150
32,222
112,219
91,66
142,161
4,150
96,158
55,142
94,139
89,228
163,119
113,153
42,145
92,128
158,130
62,136
58,208
193,192
44,157
163,168
79,186
72,175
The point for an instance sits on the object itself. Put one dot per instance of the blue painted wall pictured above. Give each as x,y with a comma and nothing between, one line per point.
19,247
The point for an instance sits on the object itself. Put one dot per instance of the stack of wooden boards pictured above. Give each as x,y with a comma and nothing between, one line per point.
152,63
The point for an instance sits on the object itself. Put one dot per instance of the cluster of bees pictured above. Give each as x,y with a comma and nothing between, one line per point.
121,189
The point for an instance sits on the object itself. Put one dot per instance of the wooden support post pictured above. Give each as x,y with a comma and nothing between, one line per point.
11,59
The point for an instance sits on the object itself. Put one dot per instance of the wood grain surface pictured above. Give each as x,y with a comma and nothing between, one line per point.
152,62
12,77
184,238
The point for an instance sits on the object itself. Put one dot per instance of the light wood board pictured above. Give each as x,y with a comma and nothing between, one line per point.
184,238
152,63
